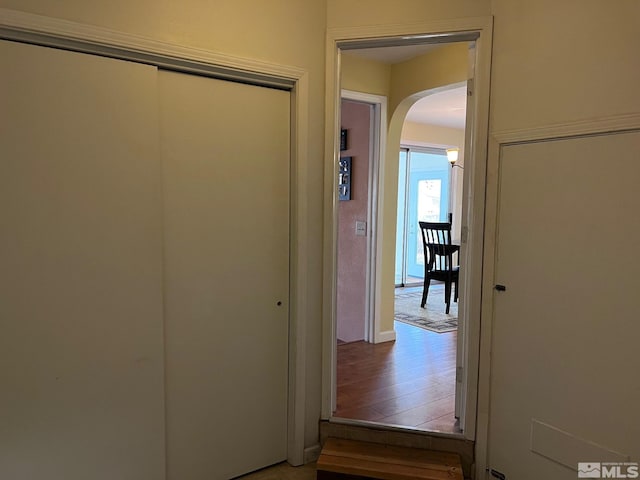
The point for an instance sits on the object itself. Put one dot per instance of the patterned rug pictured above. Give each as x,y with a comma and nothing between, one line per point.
408,310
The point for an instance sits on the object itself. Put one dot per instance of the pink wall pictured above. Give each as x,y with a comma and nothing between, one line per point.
352,249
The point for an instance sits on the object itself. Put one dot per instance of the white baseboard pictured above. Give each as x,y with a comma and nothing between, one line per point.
311,454
386,336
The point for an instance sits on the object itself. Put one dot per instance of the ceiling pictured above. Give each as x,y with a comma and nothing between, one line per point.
445,108
392,55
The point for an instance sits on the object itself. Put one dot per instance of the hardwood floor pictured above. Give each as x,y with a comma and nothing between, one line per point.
408,383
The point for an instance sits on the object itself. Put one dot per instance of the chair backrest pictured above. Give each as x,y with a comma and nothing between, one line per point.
436,244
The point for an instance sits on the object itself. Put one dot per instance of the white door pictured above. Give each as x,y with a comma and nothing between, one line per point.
81,366
565,331
225,151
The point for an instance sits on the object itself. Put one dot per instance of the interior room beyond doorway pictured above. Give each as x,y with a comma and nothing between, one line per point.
409,382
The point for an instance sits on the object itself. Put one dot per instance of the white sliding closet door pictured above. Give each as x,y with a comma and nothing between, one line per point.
81,369
225,149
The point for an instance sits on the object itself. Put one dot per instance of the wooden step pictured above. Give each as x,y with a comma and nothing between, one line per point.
350,459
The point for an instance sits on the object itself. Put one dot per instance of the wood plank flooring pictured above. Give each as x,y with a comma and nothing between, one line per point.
407,383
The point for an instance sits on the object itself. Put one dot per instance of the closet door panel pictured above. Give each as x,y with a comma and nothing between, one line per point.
81,343
225,151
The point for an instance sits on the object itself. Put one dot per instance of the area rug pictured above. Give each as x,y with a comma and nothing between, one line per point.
407,309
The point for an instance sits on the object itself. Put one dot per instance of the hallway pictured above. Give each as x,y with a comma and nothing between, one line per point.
407,383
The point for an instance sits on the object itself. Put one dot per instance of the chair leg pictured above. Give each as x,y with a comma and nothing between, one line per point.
425,291
447,294
455,291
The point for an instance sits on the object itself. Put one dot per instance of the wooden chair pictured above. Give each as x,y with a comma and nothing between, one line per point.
438,259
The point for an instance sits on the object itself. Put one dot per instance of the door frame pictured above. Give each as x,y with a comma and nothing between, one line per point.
377,145
78,37
479,30
410,204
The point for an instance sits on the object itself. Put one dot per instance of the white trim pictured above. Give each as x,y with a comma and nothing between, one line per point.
311,454
422,29
605,125
374,217
472,228
466,417
474,194
298,269
363,97
330,234
69,35
47,31
386,336
614,123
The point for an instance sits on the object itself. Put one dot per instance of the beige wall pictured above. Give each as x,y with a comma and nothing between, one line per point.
364,75
349,13
442,66
432,136
286,32
555,62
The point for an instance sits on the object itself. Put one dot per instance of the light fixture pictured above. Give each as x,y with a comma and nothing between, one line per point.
452,155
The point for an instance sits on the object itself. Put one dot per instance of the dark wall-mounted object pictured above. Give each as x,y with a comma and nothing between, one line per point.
344,178
343,139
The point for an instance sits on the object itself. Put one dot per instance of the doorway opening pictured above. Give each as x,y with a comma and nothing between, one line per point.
409,381
381,290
